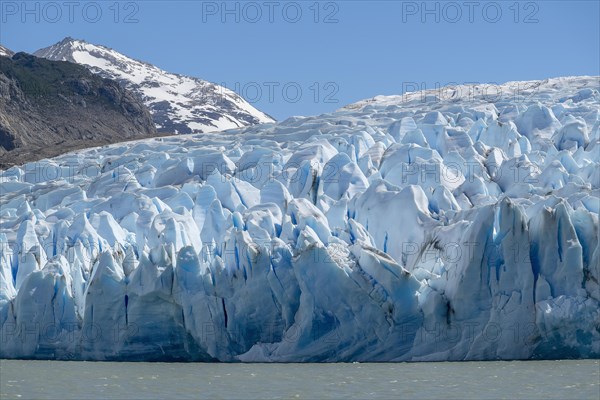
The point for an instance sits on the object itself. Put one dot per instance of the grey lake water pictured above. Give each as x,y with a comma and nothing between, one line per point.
578,379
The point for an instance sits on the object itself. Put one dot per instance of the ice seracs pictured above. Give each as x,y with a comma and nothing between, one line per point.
415,227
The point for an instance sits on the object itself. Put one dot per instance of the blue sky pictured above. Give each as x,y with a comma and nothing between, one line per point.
334,52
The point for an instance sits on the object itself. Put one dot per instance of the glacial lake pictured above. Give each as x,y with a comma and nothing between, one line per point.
578,379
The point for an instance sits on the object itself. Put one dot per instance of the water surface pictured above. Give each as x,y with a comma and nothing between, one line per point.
457,380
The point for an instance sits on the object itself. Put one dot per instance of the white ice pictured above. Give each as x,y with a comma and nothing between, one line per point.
440,225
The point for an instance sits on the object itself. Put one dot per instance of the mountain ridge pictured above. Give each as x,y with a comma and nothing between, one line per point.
178,103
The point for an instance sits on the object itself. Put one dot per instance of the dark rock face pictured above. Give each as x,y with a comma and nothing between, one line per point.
49,107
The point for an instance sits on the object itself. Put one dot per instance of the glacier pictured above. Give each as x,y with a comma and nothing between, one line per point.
452,224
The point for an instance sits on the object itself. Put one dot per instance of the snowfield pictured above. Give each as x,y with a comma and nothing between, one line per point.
442,225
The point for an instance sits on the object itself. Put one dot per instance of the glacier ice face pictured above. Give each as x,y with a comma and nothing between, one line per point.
408,227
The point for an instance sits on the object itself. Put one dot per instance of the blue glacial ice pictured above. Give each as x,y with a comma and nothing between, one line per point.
439,225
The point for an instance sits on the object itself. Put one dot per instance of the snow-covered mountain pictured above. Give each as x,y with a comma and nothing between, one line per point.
179,104
6,52
416,227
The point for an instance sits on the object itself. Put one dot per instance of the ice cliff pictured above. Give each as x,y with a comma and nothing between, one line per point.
455,224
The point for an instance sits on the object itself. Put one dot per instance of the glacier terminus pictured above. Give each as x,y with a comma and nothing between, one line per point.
454,224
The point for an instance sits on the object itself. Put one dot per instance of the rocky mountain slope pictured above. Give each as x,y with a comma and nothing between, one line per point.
178,104
50,107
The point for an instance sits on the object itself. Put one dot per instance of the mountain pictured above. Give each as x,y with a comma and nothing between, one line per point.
6,52
50,107
417,228
179,104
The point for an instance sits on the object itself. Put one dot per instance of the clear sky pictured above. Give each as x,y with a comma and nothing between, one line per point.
334,52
